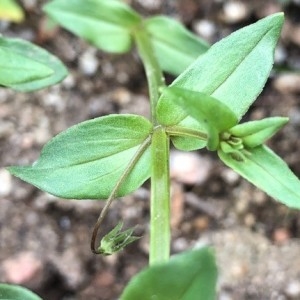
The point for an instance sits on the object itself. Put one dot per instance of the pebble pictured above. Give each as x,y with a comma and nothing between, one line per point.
234,12
54,99
22,269
230,176
281,235
189,167
280,54
30,4
205,29
293,289
287,83
5,182
6,129
88,62
150,4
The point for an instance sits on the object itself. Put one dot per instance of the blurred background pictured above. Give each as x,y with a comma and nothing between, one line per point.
44,241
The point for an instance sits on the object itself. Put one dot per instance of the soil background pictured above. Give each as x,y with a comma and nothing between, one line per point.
44,241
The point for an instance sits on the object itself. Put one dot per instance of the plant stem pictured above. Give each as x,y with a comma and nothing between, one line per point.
160,198
153,71
160,178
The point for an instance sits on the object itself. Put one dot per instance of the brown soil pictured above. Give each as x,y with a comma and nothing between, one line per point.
44,241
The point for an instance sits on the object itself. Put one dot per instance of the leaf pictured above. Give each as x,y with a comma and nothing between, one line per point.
15,292
105,24
11,11
255,133
235,70
27,67
191,275
269,172
86,160
175,47
213,115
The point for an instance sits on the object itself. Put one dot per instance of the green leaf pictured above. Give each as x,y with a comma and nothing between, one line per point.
255,133
235,70
105,24
175,47
86,160
15,292
213,115
10,10
262,167
191,275
27,67
116,240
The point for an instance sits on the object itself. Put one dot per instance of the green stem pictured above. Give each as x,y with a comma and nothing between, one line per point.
160,198
160,178
153,71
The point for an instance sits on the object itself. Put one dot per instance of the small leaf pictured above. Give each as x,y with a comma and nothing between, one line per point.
235,70
255,133
27,67
213,116
86,160
15,292
10,10
116,240
106,24
191,275
175,47
269,172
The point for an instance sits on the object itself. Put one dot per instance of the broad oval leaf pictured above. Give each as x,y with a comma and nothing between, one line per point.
87,160
255,133
175,47
10,10
15,292
235,70
269,172
190,275
27,67
107,24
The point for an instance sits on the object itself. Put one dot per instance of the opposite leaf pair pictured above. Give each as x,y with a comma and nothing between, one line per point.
201,108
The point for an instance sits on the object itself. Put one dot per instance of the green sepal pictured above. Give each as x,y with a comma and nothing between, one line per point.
175,47
255,133
16,292
190,275
87,160
267,171
116,240
235,69
107,24
26,67
213,116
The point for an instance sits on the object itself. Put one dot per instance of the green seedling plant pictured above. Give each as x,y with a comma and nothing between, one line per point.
111,156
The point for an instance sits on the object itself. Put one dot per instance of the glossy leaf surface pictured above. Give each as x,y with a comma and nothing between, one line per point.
86,160
175,47
15,292
235,70
27,67
107,24
191,275
269,172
